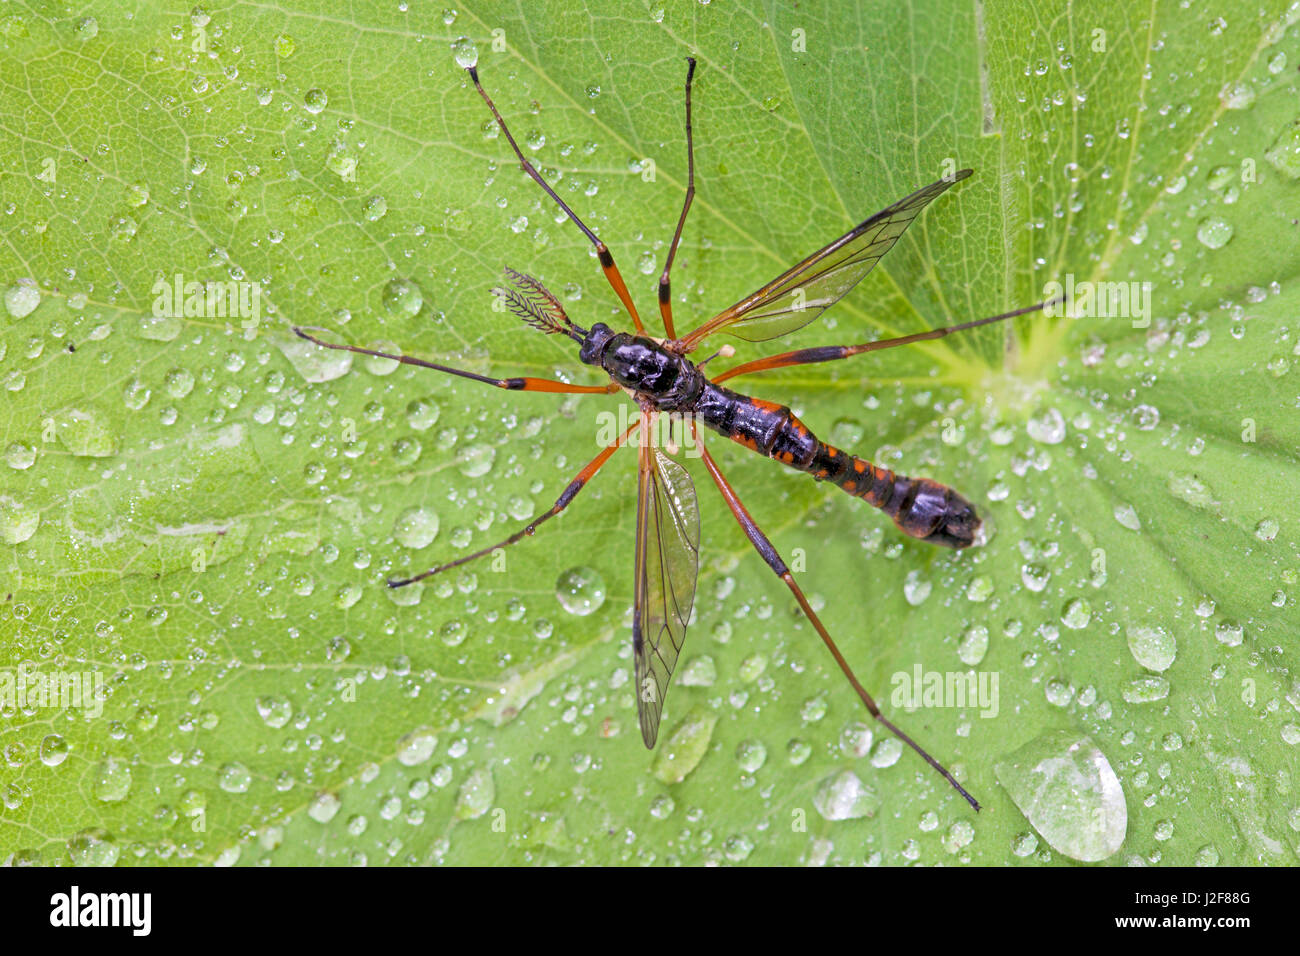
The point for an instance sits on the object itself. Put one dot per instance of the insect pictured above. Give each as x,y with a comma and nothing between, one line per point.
663,381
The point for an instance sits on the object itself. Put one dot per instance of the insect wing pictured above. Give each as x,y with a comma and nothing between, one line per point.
667,565
802,293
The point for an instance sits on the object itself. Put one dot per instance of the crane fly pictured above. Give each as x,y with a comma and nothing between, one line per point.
663,381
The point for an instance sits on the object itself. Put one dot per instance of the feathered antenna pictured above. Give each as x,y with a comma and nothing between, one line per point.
534,303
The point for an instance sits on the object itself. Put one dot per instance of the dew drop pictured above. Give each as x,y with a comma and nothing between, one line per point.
22,298
275,710
1127,515
402,298
1047,427
1067,790
1214,232
416,527
843,796
112,780
684,747
476,794
93,847
580,591
18,520
1152,646
416,747
315,101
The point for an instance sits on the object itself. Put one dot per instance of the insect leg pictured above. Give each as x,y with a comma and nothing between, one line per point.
665,288
517,384
570,492
831,353
607,265
769,554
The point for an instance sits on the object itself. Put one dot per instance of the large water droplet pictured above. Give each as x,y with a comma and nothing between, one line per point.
476,794
685,747
403,298
313,363
580,591
1214,232
416,747
1066,788
93,847
843,796
416,528
1153,647
22,298
112,780
18,520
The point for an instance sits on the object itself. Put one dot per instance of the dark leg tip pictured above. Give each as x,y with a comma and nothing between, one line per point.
473,73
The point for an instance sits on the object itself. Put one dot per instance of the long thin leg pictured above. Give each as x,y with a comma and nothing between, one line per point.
769,554
665,288
602,251
830,353
570,492
517,384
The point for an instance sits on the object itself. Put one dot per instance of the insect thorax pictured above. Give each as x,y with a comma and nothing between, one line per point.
670,382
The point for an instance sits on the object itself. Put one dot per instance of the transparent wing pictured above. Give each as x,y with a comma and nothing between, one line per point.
667,564
796,297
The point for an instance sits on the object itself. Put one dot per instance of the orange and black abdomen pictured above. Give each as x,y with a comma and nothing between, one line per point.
920,507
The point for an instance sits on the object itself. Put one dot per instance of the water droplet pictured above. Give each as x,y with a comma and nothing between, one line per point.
476,794
751,754
313,363
87,28
1152,646
915,588
375,208
416,747
466,52
1076,614
476,460
1284,154
1127,515
580,591
93,847
416,527
1237,96
1066,788
684,747
324,806
285,46
54,750
1214,232
275,710
22,298
1047,427
403,298
234,778
18,520
1146,690
112,780
1267,529
1191,489
974,645
843,796
1229,633
315,101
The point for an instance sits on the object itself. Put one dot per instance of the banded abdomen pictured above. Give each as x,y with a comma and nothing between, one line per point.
920,507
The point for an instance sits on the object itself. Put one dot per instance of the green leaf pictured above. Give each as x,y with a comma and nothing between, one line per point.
199,510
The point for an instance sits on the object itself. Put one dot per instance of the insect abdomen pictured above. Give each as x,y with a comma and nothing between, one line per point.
921,508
